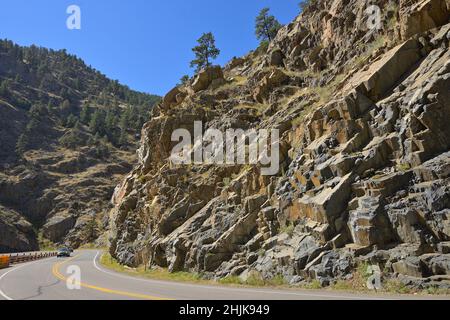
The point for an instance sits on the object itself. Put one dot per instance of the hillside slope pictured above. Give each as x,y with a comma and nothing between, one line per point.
67,136
365,146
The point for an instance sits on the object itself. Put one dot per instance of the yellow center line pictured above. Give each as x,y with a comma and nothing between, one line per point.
57,274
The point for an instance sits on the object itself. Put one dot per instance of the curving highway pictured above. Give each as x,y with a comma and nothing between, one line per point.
47,280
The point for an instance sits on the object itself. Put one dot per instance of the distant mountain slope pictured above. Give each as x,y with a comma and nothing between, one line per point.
66,133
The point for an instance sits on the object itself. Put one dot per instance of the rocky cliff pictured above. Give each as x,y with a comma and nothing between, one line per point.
363,115
59,167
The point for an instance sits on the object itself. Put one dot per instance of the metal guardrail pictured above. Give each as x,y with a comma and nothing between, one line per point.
15,258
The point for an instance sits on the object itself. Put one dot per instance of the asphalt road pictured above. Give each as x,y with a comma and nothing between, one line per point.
47,280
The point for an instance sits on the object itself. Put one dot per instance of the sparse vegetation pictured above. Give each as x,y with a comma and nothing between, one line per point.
395,286
262,49
358,281
234,83
158,274
359,61
72,139
184,80
313,285
403,167
22,144
255,280
288,229
305,4
45,244
231,280
4,88
162,274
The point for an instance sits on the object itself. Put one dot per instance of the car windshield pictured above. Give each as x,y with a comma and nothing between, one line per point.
63,249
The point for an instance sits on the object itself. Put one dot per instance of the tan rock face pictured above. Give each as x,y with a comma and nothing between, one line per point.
206,77
365,167
273,79
386,71
170,99
422,16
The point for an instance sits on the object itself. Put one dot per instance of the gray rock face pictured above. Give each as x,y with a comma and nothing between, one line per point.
364,162
58,226
16,234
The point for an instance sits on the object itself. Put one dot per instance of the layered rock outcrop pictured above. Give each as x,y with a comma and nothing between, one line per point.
365,167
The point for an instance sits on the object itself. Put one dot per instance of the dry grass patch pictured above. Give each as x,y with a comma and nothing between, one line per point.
45,244
156,274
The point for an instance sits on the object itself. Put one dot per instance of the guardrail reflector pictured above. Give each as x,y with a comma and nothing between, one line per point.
4,262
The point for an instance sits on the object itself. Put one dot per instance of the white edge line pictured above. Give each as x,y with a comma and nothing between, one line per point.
338,297
2,293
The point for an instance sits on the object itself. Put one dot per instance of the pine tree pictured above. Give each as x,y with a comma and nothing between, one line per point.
36,111
123,139
33,124
205,51
50,107
71,121
72,139
4,88
266,26
77,126
110,121
84,114
92,229
97,123
125,119
65,106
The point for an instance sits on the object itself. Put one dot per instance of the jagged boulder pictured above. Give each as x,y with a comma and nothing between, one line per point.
273,79
387,70
369,224
206,77
276,58
411,266
235,63
329,203
170,99
422,16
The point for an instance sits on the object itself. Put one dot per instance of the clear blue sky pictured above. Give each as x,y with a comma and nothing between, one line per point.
145,44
